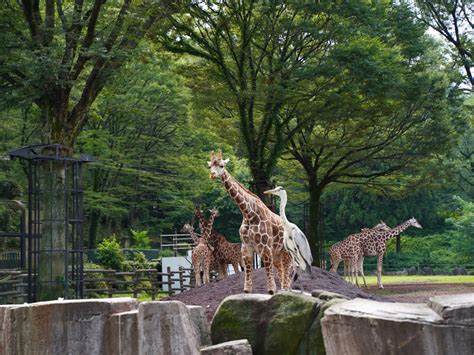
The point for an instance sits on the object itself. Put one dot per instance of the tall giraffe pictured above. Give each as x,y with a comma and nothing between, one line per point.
261,229
375,244
225,251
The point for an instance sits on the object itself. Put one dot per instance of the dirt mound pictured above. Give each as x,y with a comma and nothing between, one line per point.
210,295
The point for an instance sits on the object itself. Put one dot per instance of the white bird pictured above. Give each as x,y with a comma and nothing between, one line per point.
294,240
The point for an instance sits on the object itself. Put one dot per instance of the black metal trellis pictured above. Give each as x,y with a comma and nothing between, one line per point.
55,221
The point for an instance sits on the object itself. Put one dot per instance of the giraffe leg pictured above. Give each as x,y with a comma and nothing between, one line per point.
288,270
334,265
224,269
247,255
379,270
206,271
346,276
197,274
267,259
361,268
355,269
235,266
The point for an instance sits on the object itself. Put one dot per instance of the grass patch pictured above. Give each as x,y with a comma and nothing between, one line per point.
442,279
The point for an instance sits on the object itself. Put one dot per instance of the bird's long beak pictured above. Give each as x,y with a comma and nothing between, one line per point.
269,192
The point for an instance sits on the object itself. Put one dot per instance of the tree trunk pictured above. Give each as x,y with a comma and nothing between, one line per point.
315,237
260,184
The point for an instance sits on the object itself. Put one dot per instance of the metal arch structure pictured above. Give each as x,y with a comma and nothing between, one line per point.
55,220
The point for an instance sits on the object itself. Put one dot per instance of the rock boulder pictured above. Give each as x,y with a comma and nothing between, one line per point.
234,347
398,328
285,323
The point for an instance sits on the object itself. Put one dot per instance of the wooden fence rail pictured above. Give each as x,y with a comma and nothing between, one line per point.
104,282
110,282
13,286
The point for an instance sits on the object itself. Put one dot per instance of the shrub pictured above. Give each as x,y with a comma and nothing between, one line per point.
141,240
110,254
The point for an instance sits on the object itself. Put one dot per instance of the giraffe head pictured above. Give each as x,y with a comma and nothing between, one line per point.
216,165
279,191
413,222
214,212
381,226
187,228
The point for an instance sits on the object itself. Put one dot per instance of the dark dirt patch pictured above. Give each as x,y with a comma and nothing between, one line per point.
419,292
210,296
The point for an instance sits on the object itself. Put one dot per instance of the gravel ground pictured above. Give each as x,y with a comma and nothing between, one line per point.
210,295
419,292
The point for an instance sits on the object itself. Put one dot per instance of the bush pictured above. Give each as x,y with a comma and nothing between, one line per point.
110,254
93,284
141,240
140,262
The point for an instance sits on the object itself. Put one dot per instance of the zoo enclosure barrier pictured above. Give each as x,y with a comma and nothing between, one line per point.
105,283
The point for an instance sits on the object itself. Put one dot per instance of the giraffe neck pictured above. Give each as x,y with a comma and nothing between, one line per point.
207,227
202,221
239,194
395,231
194,236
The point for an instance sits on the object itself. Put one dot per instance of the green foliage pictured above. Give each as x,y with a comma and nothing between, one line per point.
463,222
166,253
110,254
141,240
438,251
140,262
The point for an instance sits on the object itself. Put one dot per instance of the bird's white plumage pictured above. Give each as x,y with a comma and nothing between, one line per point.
294,240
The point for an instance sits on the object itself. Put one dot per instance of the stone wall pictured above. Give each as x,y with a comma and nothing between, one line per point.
116,326
327,323
444,326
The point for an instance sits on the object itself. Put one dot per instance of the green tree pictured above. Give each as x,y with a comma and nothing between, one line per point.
453,20
254,54
382,109
60,55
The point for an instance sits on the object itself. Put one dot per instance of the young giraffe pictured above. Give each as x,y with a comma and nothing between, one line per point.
200,254
261,230
375,244
202,258
335,251
225,252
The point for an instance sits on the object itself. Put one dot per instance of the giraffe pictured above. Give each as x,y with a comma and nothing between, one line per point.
225,252
335,251
202,258
213,265
375,244
261,229
351,248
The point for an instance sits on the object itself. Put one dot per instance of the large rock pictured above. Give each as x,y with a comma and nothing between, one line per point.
122,334
289,319
60,327
279,324
241,317
234,347
198,317
455,309
392,328
166,328
118,326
